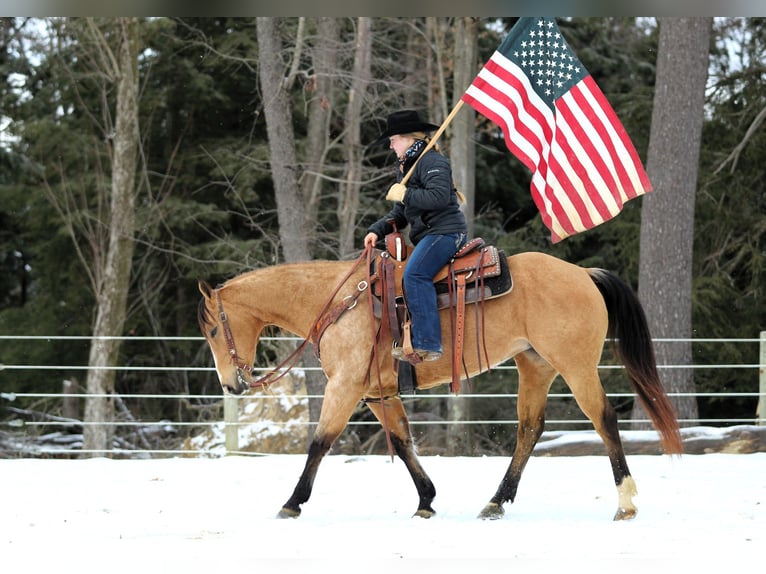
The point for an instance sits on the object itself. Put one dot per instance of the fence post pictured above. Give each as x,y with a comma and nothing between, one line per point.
71,405
762,376
230,426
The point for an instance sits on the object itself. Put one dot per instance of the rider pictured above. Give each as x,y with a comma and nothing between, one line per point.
429,205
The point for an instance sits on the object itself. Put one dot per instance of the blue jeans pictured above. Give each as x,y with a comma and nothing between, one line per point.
430,254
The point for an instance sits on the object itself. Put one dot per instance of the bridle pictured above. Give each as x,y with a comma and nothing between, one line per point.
245,369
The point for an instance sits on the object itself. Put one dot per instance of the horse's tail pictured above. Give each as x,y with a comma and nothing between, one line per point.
632,342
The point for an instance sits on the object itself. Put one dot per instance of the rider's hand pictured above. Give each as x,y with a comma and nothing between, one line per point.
396,192
370,239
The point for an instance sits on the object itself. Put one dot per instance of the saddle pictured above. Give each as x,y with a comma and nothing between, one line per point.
476,273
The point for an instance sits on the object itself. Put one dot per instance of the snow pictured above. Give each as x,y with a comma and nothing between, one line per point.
199,515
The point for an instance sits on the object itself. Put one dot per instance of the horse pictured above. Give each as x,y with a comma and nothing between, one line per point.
555,321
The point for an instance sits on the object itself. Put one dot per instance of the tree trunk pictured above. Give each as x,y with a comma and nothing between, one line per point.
277,107
320,110
348,203
294,227
112,293
667,215
321,107
463,161
462,146
436,31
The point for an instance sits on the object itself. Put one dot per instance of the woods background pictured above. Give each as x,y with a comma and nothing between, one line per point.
140,154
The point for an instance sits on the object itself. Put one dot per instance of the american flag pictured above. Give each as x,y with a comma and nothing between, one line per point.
558,122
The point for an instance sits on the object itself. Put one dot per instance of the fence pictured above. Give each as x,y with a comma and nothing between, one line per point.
230,422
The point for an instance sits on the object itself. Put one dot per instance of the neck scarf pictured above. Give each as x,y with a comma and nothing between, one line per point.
412,152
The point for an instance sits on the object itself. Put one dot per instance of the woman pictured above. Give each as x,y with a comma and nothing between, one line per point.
429,205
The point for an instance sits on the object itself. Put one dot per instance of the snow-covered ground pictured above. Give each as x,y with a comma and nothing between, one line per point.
697,513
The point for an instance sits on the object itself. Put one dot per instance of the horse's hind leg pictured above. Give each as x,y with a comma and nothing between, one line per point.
535,377
398,425
592,400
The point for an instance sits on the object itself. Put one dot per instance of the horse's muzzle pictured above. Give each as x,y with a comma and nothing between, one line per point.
241,384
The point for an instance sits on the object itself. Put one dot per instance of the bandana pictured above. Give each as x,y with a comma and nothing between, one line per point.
412,152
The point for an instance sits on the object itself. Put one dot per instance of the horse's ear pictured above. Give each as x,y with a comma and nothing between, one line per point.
204,288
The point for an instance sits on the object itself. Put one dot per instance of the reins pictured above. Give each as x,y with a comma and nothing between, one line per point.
375,358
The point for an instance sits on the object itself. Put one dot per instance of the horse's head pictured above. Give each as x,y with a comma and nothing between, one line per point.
221,330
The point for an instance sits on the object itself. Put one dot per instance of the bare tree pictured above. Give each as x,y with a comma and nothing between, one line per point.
295,224
321,89
463,161
667,215
277,107
462,146
118,62
348,203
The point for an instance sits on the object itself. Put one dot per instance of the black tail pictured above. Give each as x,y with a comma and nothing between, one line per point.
632,342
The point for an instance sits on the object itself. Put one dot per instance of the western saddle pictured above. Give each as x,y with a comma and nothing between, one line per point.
464,279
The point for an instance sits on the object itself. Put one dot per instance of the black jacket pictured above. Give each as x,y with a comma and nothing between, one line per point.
430,204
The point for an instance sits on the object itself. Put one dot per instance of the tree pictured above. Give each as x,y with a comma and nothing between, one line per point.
462,145
277,108
463,161
321,91
348,202
119,63
667,216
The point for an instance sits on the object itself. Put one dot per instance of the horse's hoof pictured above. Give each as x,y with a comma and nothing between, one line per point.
424,513
625,514
492,511
288,513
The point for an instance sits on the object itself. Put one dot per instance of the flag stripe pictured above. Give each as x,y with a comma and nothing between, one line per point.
637,178
587,151
589,125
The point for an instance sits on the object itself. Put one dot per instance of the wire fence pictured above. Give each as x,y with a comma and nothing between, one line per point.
38,422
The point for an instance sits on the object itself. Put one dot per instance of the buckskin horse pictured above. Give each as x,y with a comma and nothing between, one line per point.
554,321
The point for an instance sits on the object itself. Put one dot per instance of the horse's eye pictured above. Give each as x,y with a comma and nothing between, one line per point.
213,332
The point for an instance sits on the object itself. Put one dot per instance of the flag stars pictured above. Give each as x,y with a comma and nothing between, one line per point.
546,59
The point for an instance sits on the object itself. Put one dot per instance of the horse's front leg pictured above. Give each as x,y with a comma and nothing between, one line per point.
302,492
337,407
397,423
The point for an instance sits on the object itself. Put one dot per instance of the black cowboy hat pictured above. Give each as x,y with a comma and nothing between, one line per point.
404,122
